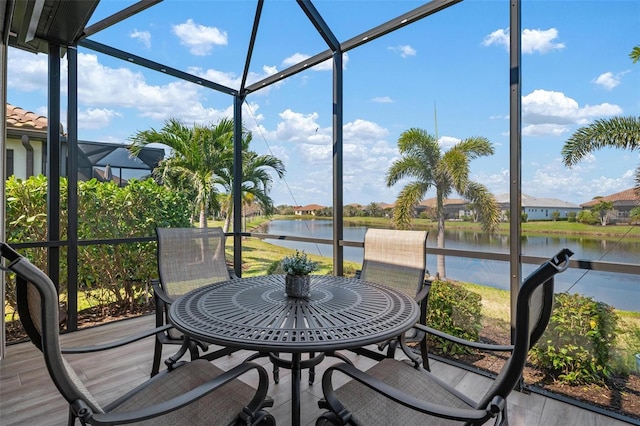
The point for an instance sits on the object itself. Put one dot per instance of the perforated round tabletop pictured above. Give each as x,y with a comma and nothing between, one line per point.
255,313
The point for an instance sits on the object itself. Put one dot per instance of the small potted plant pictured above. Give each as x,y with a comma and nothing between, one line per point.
298,267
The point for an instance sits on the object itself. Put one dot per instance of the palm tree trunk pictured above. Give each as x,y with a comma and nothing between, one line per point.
440,266
203,217
227,220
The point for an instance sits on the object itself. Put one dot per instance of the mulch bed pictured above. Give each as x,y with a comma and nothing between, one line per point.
620,394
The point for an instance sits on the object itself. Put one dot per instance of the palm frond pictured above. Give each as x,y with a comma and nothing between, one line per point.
616,132
485,205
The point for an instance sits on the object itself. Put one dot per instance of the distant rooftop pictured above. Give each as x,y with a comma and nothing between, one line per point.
627,197
530,201
20,118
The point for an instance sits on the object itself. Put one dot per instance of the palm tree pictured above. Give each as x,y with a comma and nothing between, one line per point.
615,132
423,160
635,54
602,209
198,151
256,180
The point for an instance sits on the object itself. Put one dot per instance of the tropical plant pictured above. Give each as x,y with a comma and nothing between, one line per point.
635,54
298,264
602,209
456,311
256,180
197,153
374,210
587,216
615,132
577,346
423,160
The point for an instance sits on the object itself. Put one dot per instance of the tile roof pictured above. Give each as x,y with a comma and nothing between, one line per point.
19,118
628,196
309,207
530,201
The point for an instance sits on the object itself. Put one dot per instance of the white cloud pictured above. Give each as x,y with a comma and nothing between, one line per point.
104,89
499,37
99,85
143,36
541,41
544,130
497,183
27,72
447,142
551,113
553,179
363,132
404,50
327,65
609,80
230,79
383,100
296,127
96,118
366,154
199,39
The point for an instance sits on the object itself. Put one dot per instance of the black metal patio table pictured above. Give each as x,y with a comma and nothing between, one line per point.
256,314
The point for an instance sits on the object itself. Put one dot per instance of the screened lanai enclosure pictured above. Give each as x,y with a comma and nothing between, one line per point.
68,32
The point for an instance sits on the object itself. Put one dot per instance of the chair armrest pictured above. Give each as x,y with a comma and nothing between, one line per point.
423,294
116,344
256,403
475,416
159,292
476,345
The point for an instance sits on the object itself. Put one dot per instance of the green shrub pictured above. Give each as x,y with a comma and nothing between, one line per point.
107,273
456,311
577,346
588,217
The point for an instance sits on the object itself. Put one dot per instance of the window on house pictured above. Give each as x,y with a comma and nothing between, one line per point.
9,164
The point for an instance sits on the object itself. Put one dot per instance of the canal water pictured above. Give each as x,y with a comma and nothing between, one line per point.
619,290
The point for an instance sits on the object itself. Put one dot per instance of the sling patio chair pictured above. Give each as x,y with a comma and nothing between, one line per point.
397,259
400,392
188,258
189,393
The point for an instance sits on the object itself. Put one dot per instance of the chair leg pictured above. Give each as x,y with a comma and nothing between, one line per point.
391,348
157,355
72,417
276,372
312,370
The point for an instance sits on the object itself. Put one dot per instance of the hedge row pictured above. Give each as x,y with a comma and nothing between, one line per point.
106,273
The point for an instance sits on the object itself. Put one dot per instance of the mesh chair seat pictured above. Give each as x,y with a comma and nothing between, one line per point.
395,392
224,403
398,259
373,409
188,258
188,394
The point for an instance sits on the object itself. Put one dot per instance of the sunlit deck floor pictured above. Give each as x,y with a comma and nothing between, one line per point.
28,397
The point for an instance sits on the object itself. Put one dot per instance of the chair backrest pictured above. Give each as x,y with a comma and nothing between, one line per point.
37,299
395,258
189,258
533,310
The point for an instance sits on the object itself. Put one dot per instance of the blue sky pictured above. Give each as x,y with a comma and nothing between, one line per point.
575,69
